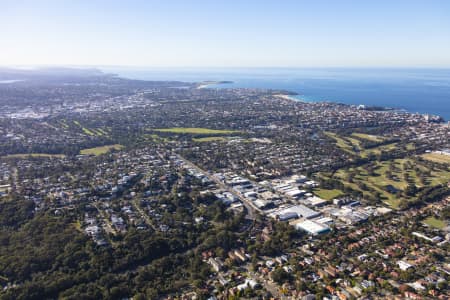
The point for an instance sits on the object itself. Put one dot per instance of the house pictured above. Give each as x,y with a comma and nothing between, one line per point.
404,265
216,263
199,220
435,239
270,263
240,254
248,283
411,295
222,280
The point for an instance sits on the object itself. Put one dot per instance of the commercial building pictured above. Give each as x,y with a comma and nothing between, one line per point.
311,227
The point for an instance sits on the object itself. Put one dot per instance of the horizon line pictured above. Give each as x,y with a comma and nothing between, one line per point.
86,66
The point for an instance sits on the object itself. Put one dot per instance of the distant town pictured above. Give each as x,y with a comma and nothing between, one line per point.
129,189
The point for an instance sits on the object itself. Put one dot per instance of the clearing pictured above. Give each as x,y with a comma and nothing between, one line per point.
101,150
368,137
353,146
327,194
396,173
433,222
436,157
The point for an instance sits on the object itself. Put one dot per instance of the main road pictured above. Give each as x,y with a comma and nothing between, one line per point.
252,210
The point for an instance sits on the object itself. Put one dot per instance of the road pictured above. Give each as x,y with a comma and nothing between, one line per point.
146,218
252,210
107,224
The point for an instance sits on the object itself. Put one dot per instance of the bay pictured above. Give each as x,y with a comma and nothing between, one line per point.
425,91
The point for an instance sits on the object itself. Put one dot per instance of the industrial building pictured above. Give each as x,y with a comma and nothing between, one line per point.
296,211
311,227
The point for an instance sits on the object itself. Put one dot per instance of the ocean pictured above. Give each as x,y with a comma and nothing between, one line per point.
425,91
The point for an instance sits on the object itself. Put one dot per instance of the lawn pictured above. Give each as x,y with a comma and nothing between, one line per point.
368,137
100,131
195,130
155,138
327,194
77,225
347,146
209,139
436,157
101,150
377,150
91,131
380,179
350,144
63,124
87,131
433,222
410,146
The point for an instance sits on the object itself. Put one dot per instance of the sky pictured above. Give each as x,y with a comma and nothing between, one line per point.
226,33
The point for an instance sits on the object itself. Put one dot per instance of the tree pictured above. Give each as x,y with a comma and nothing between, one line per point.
411,190
280,276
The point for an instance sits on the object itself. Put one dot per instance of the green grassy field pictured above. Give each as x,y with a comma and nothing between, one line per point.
87,131
327,194
377,150
410,146
101,150
33,155
77,225
368,137
91,131
353,145
380,178
347,145
433,222
209,139
105,131
155,138
63,124
195,130
436,157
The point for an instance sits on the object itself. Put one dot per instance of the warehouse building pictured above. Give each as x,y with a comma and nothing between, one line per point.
311,227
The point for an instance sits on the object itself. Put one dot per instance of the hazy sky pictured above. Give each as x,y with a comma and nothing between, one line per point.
246,33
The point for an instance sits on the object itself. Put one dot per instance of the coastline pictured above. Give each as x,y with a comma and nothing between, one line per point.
293,98
399,89
289,97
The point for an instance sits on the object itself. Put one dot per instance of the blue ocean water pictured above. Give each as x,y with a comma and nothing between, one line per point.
415,90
